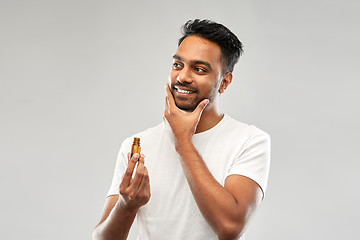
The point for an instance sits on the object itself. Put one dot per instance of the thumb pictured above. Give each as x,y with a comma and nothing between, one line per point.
202,105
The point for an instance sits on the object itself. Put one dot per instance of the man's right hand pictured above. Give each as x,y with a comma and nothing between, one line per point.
135,191
120,211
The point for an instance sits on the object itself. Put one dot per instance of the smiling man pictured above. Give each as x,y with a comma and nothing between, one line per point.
205,173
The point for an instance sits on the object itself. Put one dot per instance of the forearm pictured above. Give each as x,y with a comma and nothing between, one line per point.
216,204
117,225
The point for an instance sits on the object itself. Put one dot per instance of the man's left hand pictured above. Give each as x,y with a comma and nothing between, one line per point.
182,123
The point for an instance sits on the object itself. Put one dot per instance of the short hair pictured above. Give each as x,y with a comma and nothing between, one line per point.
230,45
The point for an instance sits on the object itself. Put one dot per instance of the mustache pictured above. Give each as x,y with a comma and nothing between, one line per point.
187,86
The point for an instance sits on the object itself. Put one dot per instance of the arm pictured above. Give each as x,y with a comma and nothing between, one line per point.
227,209
119,212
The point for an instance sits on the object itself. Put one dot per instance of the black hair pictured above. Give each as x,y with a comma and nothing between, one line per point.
231,47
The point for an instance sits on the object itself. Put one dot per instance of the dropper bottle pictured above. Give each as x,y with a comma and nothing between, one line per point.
135,148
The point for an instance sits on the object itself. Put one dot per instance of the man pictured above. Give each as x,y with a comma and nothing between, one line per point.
206,173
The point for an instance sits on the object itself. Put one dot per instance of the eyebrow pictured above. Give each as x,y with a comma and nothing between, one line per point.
194,61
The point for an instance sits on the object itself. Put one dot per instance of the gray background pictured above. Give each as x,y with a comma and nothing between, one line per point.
77,77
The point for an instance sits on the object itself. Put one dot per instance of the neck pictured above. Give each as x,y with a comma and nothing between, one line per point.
209,118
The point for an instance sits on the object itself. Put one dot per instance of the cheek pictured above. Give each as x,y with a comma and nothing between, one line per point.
208,84
169,79
172,76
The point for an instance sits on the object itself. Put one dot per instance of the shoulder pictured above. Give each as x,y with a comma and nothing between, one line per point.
239,129
150,132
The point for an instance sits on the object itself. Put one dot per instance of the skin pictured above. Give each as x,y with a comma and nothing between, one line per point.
197,70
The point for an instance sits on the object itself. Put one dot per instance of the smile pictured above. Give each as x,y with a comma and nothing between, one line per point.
183,91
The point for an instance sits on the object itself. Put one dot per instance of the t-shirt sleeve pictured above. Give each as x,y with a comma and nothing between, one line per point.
120,167
253,161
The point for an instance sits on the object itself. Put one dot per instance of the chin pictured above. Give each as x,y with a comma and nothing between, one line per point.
186,107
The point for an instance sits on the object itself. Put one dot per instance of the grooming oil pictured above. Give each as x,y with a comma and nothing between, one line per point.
135,148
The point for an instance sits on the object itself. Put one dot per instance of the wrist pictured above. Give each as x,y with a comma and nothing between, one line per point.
183,144
126,207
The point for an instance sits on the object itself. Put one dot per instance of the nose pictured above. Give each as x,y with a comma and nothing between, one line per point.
184,76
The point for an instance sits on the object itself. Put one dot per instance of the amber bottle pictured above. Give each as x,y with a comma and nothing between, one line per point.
135,148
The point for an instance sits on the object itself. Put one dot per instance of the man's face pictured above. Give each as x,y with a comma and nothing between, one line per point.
196,72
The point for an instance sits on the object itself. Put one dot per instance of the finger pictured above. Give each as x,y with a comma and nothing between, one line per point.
166,111
145,183
169,95
201,106
129,171
135,182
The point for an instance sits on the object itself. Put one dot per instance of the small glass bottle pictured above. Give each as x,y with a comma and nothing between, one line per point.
135,148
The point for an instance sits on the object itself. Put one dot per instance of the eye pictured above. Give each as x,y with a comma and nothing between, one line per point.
177,66
200,70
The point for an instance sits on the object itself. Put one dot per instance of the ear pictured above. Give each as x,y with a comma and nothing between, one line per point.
226,80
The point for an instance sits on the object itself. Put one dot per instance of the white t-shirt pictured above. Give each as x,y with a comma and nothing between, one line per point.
231,147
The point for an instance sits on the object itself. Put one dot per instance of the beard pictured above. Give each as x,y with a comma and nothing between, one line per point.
189,105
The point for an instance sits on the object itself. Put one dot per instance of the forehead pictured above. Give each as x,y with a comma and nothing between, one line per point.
194,48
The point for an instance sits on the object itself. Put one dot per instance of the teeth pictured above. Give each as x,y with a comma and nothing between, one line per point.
183,91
